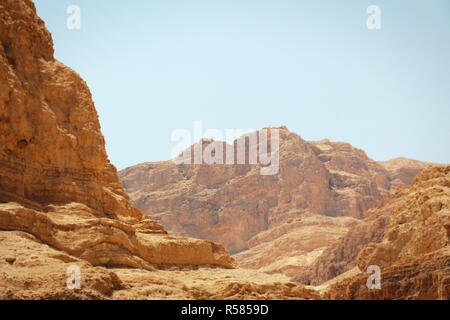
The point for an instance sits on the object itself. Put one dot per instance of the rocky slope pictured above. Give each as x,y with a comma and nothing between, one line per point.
402,170
61,203
30,269
292,247
322,188
414,252
53,161
340,256
52,150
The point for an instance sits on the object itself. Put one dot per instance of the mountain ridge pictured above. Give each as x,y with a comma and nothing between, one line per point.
62,207
234,204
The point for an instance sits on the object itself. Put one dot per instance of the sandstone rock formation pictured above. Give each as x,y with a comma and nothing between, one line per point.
30,269
52,150
419,223
54,165
414,253
61,203
340,256
292,247
275,223
403,170
75,229
207,283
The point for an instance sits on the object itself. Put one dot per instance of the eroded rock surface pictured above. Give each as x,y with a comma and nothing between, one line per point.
293,247
56,182
340,256
275,223
51,147
62,205
403,170
413,255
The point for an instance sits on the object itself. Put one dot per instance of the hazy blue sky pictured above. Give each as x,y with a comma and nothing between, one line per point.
155,66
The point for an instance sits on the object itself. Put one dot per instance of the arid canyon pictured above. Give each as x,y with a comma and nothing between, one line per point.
161,230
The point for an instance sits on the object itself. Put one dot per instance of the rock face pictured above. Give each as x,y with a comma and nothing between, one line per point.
62,205
55,178
414,253
76,230
403,170
340,256
321,188
293,247
30,269
51,147
232,203
419,223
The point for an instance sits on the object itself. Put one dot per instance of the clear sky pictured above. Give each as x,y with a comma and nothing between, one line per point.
314,66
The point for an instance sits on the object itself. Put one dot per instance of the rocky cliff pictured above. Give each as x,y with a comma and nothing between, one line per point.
340,256
53,164
402,170
51,147
274,221
413,254
62,205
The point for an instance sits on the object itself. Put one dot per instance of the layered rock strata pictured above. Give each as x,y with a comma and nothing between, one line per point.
413,254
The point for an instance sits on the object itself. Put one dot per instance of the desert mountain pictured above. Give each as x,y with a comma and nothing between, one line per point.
328,214
61,202
275,223
413,252
54,169
340,256
402,170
